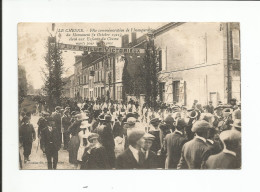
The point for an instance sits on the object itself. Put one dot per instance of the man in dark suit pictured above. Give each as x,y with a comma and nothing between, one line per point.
118,127
107,139
213,145
227,159
65,125
151,159
27,136
174,143
42,124
51,143
95,156
132,157
56,115
195,152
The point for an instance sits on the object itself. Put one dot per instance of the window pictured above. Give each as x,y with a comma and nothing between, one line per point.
162,91
119,92
102,91
176,90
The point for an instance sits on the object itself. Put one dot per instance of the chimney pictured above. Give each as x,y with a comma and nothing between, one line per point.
133,38
125,40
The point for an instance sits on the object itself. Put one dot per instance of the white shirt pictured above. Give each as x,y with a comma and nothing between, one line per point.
135,153
229,152
201,138
209,140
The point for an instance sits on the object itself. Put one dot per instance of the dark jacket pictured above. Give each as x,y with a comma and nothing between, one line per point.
174,143
65,122
106,136
57,118
214,148
118,129
27,133
96,159
50,140
194,154
152,161
42,123
126,160
222,161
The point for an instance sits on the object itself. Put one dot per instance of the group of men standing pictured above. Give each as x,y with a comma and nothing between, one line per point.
112,136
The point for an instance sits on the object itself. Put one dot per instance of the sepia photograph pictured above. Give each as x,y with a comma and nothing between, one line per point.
132,95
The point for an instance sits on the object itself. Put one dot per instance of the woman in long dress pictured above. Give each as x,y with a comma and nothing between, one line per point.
83,136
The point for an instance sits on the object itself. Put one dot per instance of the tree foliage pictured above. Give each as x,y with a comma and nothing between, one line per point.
151,69
53,74
126,81
22,84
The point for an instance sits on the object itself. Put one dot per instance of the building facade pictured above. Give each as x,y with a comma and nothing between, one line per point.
199,61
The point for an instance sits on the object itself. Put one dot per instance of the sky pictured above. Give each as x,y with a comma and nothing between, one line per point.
32,38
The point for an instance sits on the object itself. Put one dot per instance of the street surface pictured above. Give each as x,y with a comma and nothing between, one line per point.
38,160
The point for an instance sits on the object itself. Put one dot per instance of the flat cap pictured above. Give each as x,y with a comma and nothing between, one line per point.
148,136
200,125
93,136
135,135
230,135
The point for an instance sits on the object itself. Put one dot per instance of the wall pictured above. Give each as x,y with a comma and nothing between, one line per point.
193,54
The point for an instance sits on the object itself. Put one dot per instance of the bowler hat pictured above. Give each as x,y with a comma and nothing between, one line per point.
193,114
200,125
155,120
131,121
236,123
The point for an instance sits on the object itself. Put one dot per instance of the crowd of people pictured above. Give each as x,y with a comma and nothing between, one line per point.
114,135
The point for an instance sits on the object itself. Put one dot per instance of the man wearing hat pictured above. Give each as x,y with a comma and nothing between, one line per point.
107,138
27,136
195,152
157,133
132,157
66,122
174,143
95,156
193,117
151,159
214,146
210,107
56,115
50,138
227,159
42,124
118,127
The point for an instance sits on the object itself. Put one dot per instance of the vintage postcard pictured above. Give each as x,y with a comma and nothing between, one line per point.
108,96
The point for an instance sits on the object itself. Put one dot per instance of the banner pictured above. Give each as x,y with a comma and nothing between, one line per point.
99,49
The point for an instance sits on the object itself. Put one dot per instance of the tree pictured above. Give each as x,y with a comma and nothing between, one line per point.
53,74
22,84
151,69
126,81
